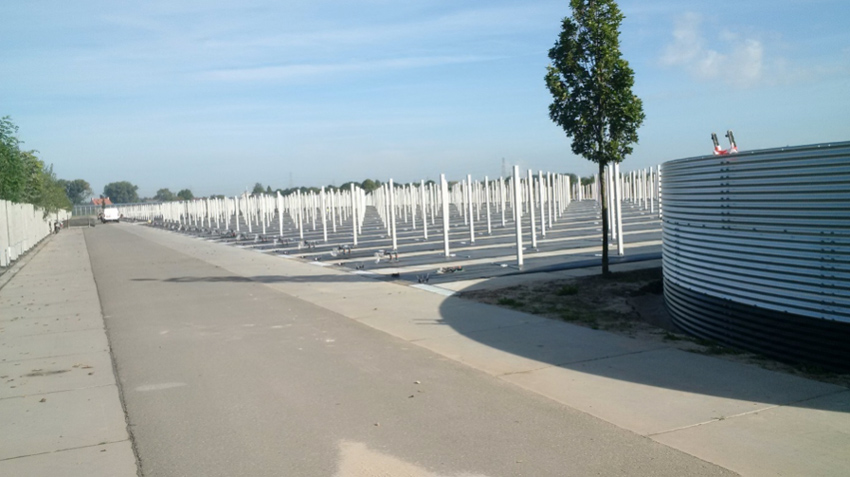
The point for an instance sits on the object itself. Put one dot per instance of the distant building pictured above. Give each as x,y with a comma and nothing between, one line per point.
101,202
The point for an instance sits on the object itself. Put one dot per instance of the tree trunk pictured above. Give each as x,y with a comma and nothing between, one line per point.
603,200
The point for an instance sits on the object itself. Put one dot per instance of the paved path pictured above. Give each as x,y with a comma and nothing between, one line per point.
237,363
60,411
224,375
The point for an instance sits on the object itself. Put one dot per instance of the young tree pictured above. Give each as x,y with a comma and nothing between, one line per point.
121,192
592,89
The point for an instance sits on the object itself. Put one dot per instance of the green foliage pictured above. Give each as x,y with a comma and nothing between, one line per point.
77,190
370,185
165,195
185,194
511,302
567,290
24,178
52,196
258,189
121,192
591,85
12,177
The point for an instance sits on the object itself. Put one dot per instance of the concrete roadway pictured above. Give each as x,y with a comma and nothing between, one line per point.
223,375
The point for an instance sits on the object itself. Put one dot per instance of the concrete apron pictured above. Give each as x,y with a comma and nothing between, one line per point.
60,409
741,417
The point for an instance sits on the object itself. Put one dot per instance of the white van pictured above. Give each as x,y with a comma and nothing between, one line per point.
110,215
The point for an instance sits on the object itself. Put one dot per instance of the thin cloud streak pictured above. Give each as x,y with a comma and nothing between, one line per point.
300,71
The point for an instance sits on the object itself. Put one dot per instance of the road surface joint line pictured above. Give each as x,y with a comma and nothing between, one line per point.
48,333
22,360
469,332
61,391
748,413
63,450
589,360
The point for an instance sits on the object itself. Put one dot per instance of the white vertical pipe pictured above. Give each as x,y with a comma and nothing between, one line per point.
502,197
609,197
387,202
424,209
263,206
392,216
279,214
324,217
469,205
550,194
432,188
410,198
542,189
299,207
618,203
476,191
403,197
236,210
531,208
249,213
487,202
517,217
353,218
333,210
444,186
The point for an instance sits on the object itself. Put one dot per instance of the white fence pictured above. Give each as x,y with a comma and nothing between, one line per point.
22,226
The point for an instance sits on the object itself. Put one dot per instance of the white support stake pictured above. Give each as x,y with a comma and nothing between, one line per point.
469,205
444,186
531,208
517,215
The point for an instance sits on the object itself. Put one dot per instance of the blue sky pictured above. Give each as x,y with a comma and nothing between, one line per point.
217,95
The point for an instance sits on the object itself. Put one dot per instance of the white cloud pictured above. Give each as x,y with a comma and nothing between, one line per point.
738,60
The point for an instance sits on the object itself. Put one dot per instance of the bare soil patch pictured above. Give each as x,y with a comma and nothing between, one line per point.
630,304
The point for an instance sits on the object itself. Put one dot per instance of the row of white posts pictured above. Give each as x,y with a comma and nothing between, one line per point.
642,188
543,197
22,226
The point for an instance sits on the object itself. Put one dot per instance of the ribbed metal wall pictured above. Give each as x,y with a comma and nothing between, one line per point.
756,250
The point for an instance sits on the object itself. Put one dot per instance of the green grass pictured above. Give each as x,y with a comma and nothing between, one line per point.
567,290
510,302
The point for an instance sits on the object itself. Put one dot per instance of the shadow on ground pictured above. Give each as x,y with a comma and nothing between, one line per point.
543,343
553,343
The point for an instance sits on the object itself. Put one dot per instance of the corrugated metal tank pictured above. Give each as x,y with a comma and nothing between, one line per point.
756,250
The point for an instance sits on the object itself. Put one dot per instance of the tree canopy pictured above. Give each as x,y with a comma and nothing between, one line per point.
185,194
164,195
77,190
121,192
591,85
